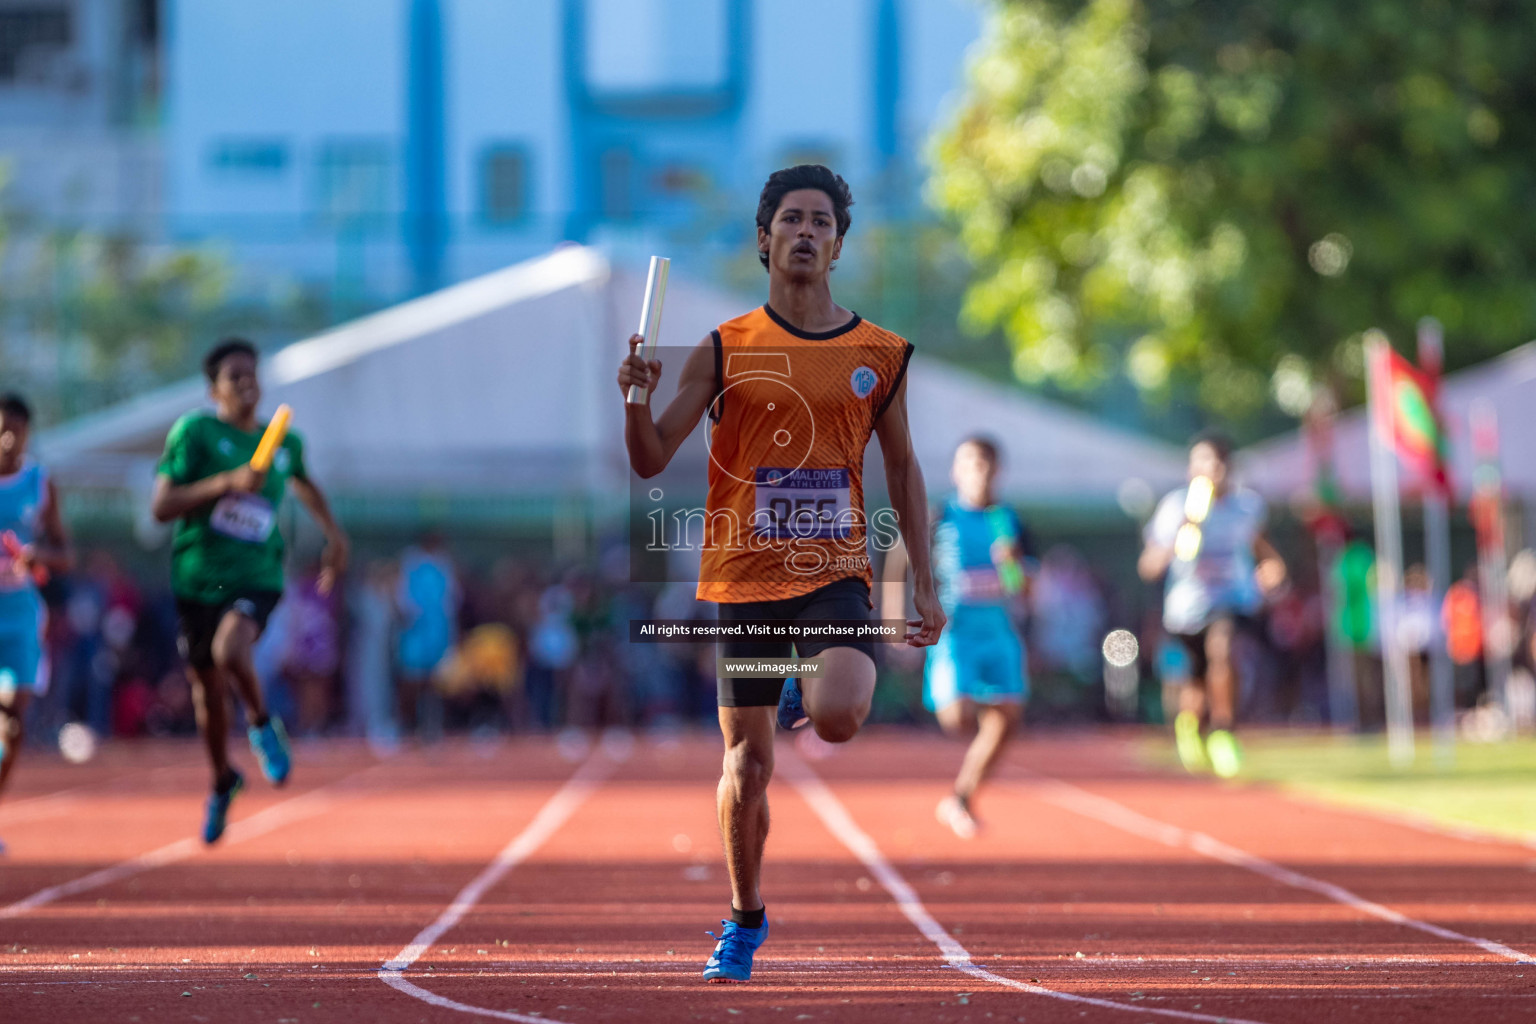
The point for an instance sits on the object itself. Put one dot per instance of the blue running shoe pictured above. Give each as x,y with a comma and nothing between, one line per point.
791,711
270,745
218,809
732,958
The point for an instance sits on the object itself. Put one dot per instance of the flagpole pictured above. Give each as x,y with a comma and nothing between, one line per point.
1437,552
1389,555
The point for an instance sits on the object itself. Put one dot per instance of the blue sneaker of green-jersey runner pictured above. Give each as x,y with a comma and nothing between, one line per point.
218,809
270,745
791,711
732,958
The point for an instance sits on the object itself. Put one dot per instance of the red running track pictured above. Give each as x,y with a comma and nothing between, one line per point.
1098,891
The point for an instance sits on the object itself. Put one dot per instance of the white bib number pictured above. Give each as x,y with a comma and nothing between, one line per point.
980,585
245,517
802,503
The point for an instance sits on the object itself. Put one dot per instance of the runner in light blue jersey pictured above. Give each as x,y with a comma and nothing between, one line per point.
35,545
975,677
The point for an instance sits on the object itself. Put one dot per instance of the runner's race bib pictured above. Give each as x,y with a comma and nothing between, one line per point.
802,503
980,586
1218,564
244,517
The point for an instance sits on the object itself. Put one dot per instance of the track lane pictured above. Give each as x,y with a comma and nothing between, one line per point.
605,920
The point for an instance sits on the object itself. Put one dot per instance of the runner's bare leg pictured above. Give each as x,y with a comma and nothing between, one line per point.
995,724
210,702
1220,675
742,799
232,645
838,700
12,734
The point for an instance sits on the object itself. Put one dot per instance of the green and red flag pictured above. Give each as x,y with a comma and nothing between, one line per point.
1407,416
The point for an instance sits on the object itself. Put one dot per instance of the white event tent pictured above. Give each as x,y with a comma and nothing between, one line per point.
505,385
1283,466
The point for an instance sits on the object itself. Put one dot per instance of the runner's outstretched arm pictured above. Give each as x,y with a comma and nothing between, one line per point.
52,548
333,561
172,501
1269,567
909,497
1154,561
652,443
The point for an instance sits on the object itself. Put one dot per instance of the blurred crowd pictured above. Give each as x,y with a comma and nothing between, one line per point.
422,644
413,644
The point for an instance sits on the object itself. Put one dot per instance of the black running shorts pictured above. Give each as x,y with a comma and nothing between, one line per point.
845,599
199,621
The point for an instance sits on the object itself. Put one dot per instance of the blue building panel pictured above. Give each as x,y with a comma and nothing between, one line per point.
391,145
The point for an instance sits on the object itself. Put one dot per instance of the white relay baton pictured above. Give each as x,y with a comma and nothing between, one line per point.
650,319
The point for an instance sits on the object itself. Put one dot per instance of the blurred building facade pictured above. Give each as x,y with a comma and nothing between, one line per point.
79,108
392,146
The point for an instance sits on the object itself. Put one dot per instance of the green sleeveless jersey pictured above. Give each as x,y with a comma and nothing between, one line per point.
232,545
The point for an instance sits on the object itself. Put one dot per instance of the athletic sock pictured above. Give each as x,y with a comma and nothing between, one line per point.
226,782
749,918
260,721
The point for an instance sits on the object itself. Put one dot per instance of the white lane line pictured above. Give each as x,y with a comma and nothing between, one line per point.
294,809
840,823
555,812
1102,809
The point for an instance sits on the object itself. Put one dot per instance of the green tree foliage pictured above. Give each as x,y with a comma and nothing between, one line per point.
90,319
1224,194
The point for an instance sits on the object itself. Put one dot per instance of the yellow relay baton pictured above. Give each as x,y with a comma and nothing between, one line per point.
271,439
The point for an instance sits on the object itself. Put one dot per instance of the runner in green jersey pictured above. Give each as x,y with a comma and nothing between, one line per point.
227,559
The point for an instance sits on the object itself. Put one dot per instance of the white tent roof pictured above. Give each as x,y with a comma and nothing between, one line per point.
1283,466
505,384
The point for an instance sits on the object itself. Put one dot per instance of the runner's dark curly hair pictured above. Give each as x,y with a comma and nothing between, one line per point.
791,179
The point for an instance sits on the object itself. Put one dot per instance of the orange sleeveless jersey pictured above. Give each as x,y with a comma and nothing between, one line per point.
791,419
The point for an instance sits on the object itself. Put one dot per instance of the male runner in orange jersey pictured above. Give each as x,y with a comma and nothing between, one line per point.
794,389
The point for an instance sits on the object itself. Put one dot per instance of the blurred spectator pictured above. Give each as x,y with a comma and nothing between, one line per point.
100,613
313,652
427,598
1521,688
1462,618
594,694
553,647
371,614
1418,631
479,681
1068,621
693,686
1295,626
131,707
172,713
